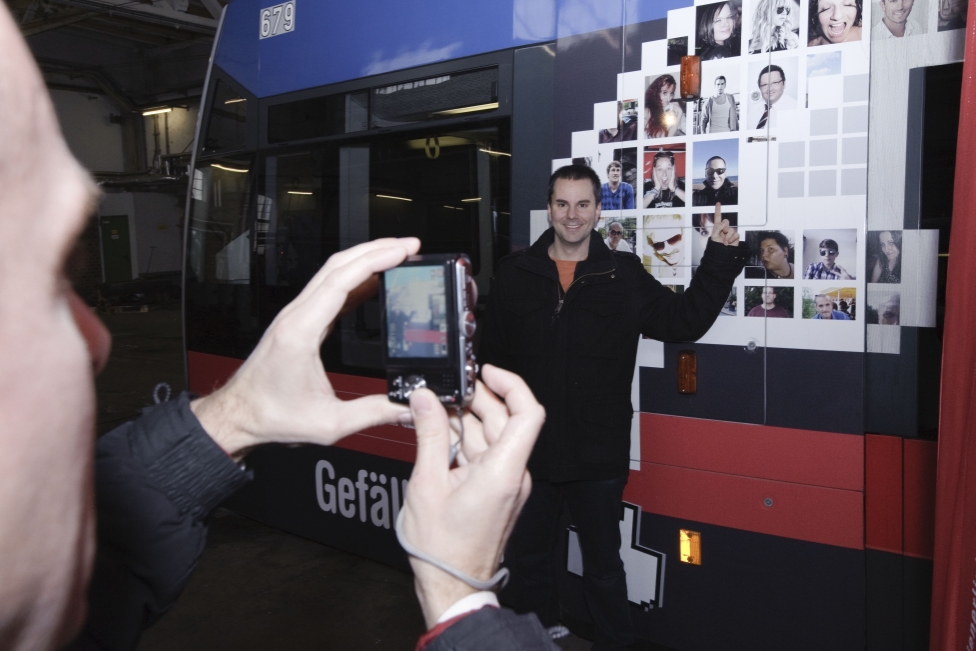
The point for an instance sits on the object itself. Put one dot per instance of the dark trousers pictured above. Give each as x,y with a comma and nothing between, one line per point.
595,507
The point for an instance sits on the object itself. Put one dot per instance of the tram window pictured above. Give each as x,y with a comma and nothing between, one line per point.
220,236
318,117
434,97
220,316
226,130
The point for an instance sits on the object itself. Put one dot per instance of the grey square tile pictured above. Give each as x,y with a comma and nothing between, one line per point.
823,183
790,184
854,151
855,119
856,88
823,152
854,181
823,122
792,154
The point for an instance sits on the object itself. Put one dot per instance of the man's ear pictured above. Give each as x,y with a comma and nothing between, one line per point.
549,213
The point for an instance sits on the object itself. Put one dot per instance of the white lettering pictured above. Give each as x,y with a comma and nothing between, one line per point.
380,513
322,489
362,486
347,494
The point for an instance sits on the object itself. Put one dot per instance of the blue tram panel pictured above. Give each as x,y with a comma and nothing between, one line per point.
341,41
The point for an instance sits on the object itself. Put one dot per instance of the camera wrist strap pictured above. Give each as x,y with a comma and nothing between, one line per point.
499,580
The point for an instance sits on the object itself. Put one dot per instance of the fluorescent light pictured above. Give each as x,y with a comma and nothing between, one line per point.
156,111
235,101
496,153
305,194
388,196
470,200
468,109
454,208
228,169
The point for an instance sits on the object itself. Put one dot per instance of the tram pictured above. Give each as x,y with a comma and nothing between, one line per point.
787,502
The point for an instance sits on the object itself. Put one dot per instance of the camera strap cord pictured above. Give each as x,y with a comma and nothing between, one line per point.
498,581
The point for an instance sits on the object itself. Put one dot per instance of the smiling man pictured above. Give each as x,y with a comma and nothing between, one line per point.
826,311
718,188
896,21
772,87
566,315
614,194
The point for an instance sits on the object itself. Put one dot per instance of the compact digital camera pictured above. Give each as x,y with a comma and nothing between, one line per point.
428,321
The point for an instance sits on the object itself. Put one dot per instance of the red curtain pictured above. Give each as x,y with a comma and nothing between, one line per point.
954,580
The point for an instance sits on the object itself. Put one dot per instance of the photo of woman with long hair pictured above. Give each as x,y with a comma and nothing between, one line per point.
835,21
718,31
775,26
663,117
884,255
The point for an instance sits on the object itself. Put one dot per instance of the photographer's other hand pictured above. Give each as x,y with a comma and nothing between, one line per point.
464,516
281,394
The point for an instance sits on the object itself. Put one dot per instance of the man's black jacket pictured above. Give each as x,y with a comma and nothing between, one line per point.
727,195
577,352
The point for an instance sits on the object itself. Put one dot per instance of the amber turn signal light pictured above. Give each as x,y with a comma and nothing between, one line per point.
687,372
690,77
690,542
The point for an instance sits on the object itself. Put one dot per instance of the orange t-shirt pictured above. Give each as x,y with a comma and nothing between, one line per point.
567,269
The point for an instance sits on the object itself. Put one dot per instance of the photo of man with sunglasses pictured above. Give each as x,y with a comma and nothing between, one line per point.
664,248
718,188
827,268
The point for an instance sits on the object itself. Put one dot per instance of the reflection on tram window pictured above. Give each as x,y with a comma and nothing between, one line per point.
226,130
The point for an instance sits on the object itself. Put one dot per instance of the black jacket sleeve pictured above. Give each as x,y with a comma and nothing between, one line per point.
492,629
667,316
156,480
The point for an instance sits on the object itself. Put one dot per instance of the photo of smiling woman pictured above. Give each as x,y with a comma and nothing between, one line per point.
884,257
835,21
775,26
717,36
663,117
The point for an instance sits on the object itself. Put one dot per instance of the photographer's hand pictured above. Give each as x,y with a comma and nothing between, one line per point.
463,516
281,394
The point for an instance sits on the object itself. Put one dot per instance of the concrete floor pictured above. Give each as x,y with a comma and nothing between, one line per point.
256,588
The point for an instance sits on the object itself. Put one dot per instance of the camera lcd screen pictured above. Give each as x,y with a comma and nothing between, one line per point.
416,312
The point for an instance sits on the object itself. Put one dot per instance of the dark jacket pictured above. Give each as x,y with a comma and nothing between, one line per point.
727,194
577,352
156,481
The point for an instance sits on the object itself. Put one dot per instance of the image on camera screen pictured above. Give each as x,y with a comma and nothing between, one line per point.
416,312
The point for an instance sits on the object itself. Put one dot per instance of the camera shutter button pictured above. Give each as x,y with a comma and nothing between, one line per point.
468,323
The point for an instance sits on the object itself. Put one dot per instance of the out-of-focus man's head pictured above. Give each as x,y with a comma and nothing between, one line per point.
50,343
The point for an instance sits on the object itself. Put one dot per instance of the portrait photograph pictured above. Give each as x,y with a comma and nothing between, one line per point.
951,14
664,244
619,127
884,305
718,30
715,173
898,18
775,26
830,254
884,257
664,176
834,21
701,232
664,112
771,89
618,177
831,304
769,301
718,108
731,307
772,255
619,233
677,48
